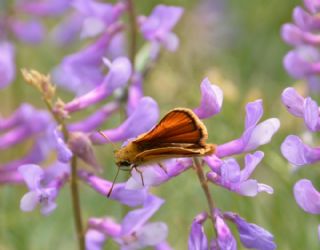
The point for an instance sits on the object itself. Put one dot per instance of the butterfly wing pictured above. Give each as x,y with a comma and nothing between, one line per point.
179,126
157,154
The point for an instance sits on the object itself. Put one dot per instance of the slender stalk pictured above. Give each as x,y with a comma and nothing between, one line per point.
205,188
76,204
133,32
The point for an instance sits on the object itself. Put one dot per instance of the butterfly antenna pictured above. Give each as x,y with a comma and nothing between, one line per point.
108,139
114,180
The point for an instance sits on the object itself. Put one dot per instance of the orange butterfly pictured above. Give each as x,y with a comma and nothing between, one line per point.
179,134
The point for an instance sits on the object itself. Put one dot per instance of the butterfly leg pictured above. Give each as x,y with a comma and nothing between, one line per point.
140,173
163,167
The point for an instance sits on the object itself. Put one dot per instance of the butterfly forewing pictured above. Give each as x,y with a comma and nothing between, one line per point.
179,126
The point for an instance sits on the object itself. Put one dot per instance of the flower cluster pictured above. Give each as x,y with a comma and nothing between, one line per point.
102,73
300,154
27,30
303,61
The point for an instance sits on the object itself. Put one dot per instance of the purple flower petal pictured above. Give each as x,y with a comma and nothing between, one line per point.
81,72
64,154
67,31
154,175
291,34
312,5
163,246
293,102
141,120
301,62
251,235
94,121
7,64
44,8
48,208
32,174
151,234
298,153
120,193
118,76
28,31
304,20
29,201
311,114
211,100
262,133
307,196
197,238
135,93
94,240
251,161
157,27
136,218
254,112
225,239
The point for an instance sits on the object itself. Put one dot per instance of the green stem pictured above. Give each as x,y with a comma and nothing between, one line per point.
133,32
206,190
76,204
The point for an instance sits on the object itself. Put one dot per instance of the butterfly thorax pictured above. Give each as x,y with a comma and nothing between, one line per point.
125,156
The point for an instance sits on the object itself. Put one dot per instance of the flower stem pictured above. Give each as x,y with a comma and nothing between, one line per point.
205,188
76,204
133,32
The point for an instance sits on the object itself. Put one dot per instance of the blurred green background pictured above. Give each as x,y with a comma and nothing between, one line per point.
237,45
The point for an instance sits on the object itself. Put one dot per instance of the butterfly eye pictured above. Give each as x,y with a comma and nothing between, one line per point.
124,164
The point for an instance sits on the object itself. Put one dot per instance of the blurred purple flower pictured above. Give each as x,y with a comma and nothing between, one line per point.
118,75
134,232
7,64
141,120
303,62
225,240
135,93
28,31
125,196
307,196
197,238
43,8
298,153
254,135
82,71
236,180
211,101
94,121
251,235
157,28
39,193
64,154
22,130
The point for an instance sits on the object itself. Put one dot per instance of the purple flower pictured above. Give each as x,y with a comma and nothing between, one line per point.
254,135
197,238
28,31
94,121
22,130
135,93
134,232
211,101
305,108
225,240
307,196
157,27
303,62
236,180
120,193
141,120
154,175
117,77
64,154
39,194
7,64
44,8
251,235
81,72
298,153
